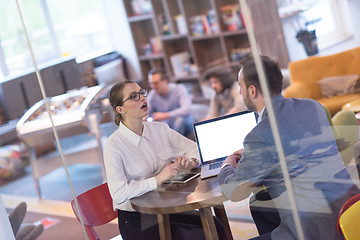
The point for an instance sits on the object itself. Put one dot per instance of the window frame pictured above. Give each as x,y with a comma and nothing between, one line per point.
54,43
341,15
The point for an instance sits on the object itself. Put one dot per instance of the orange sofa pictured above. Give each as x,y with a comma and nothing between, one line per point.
305,75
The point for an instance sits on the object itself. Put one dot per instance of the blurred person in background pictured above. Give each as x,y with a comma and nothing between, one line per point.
169,102
227,99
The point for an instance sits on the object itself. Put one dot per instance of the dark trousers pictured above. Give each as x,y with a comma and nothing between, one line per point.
138,226
266,219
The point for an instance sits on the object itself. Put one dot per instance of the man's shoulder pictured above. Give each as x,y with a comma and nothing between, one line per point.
305,101
177,86
178,90
298,107
151,94
294,103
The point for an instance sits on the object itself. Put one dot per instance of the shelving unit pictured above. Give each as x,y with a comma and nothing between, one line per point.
174,27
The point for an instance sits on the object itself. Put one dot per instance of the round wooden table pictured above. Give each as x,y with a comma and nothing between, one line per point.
203,195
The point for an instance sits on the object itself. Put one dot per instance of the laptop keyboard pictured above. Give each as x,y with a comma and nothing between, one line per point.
215,165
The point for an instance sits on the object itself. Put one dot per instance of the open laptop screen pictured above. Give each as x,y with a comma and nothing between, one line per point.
219,137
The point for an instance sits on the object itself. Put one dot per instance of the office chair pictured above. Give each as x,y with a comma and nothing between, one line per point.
96,209
345,207
349,220
346,132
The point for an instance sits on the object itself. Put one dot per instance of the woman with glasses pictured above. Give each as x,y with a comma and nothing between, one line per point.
138,158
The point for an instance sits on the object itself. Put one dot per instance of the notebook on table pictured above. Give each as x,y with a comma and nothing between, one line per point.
219,137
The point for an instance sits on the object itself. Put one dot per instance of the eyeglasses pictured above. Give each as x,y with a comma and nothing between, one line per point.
135,96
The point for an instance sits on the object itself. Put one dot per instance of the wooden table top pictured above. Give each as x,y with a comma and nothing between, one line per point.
175,198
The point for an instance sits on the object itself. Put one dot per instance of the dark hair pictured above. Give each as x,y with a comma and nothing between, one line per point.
224,75
272,71
163,75
116,98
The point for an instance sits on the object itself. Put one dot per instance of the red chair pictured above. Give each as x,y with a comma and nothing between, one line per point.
96,209
346,205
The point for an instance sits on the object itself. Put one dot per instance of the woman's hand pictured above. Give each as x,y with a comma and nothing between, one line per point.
170,170
186,163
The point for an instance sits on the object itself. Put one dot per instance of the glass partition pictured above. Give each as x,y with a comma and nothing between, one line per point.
55,31
294,172
51,101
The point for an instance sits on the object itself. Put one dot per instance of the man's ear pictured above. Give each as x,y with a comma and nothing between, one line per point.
253,91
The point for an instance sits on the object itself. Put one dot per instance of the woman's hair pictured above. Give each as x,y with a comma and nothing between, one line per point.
116,98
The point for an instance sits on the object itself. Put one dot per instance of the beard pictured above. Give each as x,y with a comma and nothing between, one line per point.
249,104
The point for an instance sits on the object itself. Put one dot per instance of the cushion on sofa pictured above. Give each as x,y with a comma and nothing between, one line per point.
354,86
306,73
339,85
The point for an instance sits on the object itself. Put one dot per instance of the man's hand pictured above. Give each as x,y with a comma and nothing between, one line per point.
160,116
185,163
234,158
170,170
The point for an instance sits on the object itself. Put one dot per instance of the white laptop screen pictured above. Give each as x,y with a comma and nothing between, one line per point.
219,137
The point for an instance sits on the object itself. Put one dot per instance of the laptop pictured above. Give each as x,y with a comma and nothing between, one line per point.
219,137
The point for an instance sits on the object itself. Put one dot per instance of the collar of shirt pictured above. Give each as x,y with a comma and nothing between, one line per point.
261,114
131,136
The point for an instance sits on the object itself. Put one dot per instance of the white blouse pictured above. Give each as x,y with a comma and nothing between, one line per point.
133,161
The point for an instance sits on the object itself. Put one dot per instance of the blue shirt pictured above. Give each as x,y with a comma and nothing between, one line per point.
177,102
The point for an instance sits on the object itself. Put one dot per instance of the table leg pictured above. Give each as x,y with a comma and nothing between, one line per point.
94,129
164,226
208,223
34,171
221,214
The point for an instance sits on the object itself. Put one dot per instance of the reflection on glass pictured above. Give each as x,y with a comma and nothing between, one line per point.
80,28
13,41
320,182
55,28
322,16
